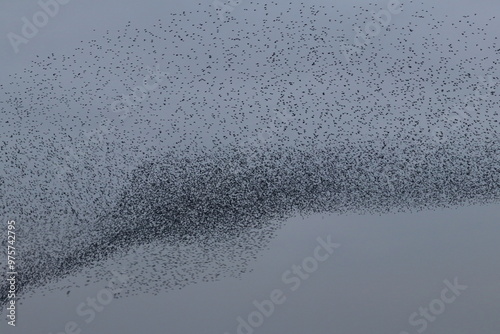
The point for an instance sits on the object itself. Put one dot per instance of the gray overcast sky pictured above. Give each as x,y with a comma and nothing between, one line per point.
385,269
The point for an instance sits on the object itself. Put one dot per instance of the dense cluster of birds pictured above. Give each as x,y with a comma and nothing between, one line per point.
259,118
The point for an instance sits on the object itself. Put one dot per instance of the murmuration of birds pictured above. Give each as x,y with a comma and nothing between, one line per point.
182,192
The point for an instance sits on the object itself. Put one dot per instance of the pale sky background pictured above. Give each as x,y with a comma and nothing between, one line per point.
385,269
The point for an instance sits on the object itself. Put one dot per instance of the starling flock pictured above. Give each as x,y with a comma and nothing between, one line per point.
177,150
